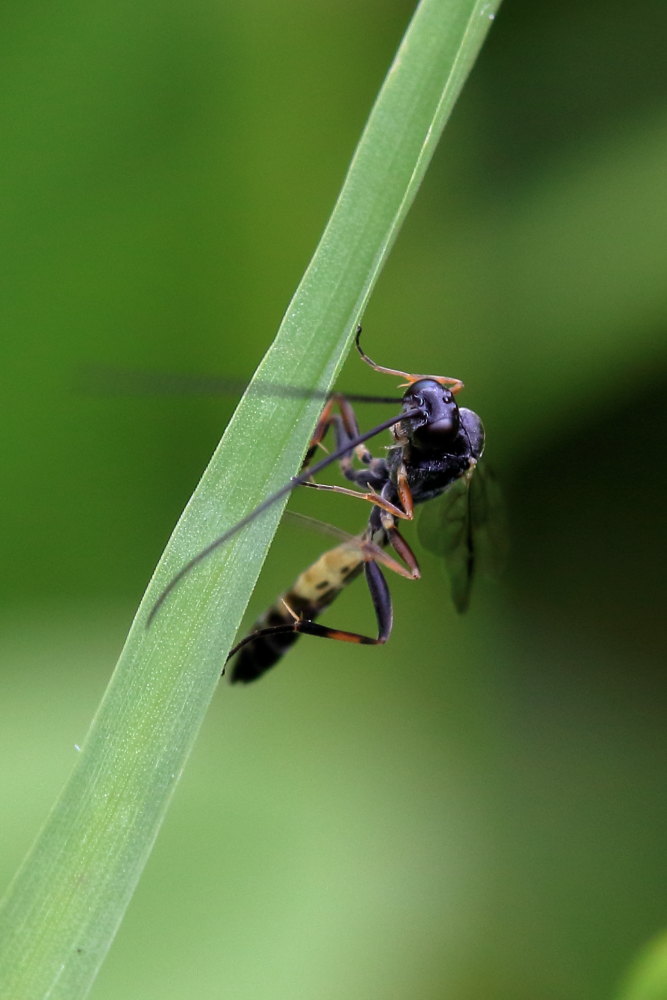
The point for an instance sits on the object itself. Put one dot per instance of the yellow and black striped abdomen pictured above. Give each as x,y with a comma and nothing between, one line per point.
309,595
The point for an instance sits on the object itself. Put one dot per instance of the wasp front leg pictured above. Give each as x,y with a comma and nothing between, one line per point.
346,428
386,500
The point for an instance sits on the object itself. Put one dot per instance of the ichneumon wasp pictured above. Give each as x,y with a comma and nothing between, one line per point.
436,450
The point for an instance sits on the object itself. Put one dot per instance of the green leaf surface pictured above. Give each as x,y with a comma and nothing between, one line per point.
64,906
648,979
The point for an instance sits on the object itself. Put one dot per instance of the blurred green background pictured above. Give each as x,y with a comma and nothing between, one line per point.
478,809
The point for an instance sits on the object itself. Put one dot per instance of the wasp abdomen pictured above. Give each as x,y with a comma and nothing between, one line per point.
312,592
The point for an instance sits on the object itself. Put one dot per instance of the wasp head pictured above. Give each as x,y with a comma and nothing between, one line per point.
434,414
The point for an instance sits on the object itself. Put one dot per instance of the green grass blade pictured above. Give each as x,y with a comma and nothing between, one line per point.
64,906
647,980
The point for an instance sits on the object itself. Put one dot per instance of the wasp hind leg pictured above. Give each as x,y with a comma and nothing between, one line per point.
262,649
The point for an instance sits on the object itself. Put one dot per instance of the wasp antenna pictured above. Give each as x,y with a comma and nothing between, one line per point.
455,384
101,381
376,367
297,480
364,357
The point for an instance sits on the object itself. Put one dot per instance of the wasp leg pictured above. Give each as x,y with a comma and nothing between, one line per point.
273,641
399,545
375,498
346,429
404,492
391,510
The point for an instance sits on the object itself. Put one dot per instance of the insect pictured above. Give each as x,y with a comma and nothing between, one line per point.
436,450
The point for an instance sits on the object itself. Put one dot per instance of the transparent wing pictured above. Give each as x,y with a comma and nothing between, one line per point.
467,527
